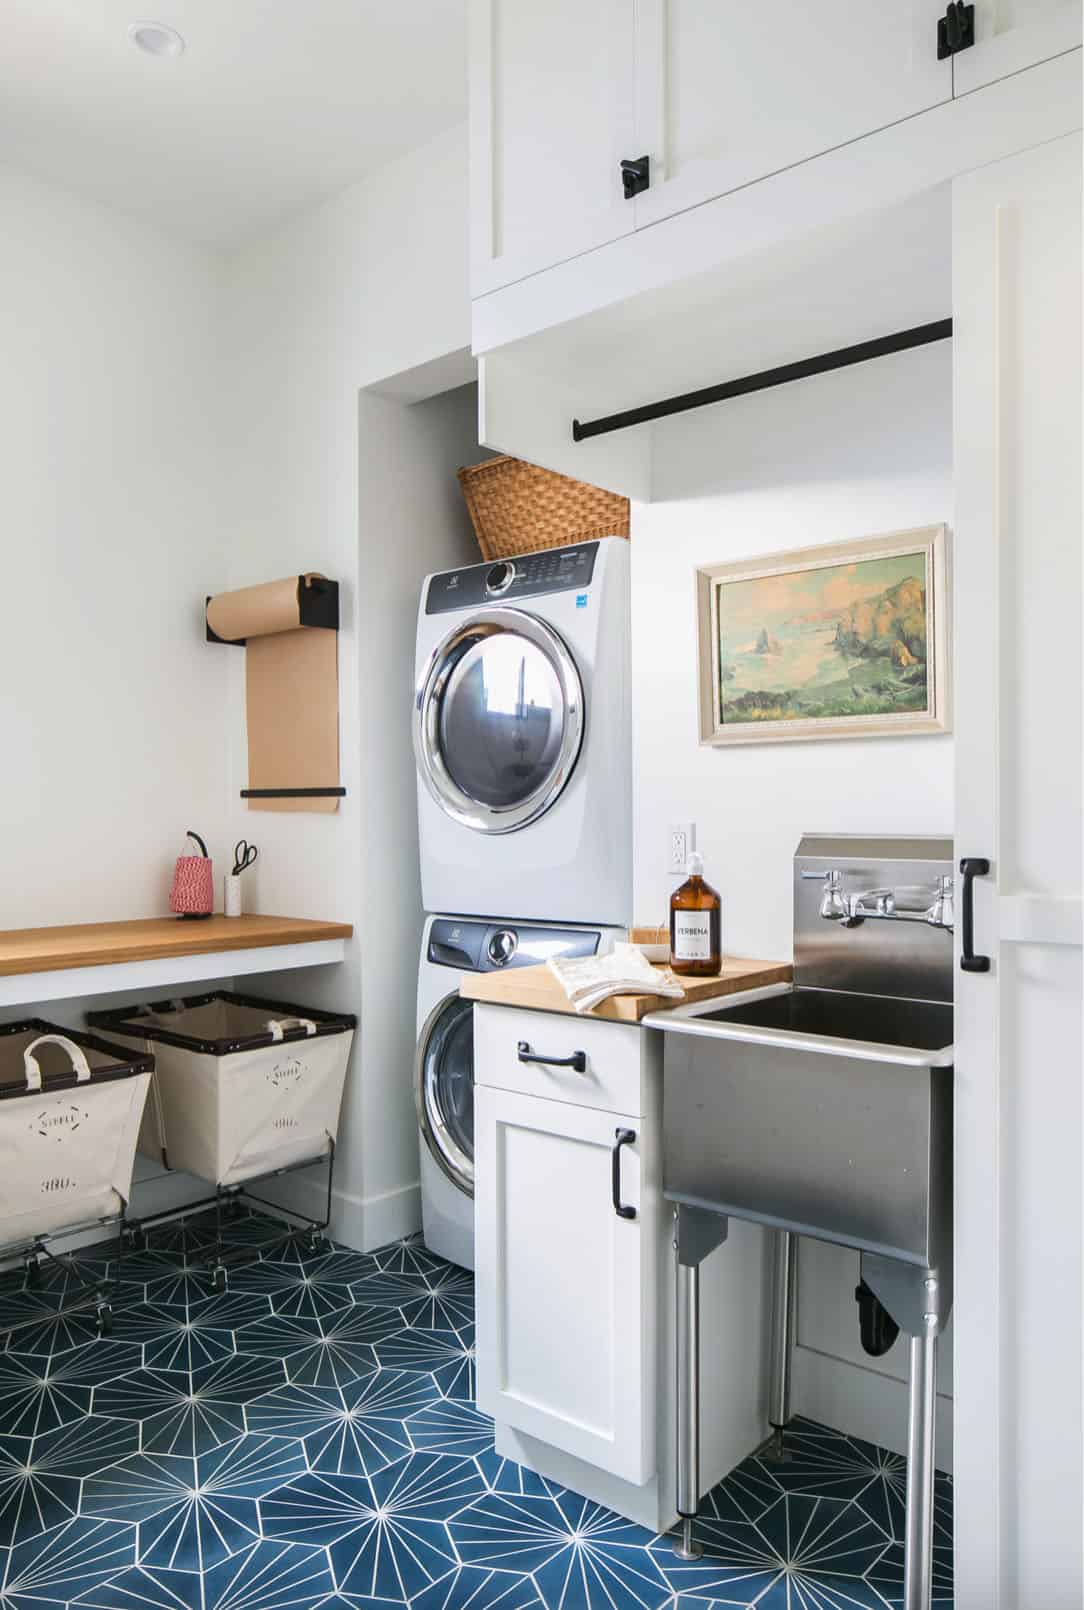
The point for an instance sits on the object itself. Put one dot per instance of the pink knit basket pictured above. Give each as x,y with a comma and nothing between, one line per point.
193,892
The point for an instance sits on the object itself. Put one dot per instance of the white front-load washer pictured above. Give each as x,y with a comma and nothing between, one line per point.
444,1065
522,736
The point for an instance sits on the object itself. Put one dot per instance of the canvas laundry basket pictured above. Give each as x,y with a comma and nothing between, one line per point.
70,1109
242,1086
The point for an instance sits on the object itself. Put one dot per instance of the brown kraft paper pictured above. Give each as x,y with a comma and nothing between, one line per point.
291,693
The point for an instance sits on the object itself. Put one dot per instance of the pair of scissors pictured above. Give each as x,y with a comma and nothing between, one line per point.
243,856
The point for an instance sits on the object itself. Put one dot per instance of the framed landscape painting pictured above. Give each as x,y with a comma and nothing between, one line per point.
849,641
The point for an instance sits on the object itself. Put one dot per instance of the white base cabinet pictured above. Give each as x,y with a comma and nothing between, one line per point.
575,1299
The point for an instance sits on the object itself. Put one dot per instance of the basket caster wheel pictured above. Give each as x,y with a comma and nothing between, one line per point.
134,1238
105,1320
218,1279
233,1208
33,1271
319,1243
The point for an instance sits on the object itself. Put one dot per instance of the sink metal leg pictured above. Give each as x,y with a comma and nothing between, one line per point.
786,1252
688,1407
918,1532
697,1233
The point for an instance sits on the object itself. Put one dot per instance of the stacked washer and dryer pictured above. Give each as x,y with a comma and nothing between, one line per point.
522,738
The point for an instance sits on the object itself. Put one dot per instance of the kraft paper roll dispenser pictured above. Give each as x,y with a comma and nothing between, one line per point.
289,631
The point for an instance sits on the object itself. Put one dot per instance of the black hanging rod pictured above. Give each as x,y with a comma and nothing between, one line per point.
842,358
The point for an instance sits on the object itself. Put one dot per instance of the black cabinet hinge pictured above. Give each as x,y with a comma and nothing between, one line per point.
956,30
635,176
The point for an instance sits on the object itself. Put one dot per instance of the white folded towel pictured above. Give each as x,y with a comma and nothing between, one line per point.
625,970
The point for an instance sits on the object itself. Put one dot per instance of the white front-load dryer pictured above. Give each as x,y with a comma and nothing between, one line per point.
444,1065
522,736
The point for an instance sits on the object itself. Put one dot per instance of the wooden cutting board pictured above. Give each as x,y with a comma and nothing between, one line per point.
537,989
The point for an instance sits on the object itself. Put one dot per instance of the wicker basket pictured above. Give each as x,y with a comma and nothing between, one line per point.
517,507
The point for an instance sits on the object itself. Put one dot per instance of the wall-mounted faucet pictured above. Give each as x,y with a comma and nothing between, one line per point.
850,909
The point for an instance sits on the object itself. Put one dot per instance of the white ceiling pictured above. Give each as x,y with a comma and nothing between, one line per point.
274,103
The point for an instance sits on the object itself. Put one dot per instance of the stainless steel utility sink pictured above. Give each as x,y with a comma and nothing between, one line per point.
824,1108
825,1113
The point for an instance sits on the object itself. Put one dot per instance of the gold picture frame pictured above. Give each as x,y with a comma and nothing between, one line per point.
845,641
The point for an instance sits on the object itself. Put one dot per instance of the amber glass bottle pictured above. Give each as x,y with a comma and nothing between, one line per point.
696,914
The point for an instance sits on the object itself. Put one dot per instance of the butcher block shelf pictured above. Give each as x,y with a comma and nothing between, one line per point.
536,988
42,964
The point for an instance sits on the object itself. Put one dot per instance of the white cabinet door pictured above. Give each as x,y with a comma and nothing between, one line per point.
551,102
1016,249
728,93
566,1289
1013,34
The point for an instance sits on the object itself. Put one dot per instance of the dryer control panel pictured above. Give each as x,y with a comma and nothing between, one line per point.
509,581
485,947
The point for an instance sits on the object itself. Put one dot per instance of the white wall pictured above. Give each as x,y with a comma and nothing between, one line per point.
845,455
110,704
370,284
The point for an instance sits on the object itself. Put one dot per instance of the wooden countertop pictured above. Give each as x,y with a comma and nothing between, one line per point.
537,989
101,944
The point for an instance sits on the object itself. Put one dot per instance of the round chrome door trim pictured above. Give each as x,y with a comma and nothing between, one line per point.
460,806
443,1146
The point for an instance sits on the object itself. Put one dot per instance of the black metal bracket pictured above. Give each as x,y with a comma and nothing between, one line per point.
317,605
292,793
577,1060
635,175
955,30
901,341
622,1137
971,867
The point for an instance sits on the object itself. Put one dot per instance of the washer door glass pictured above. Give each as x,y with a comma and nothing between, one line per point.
444,1089
499,721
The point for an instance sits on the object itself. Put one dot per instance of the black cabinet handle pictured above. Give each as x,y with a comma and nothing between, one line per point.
624,1137
971,867
577,1060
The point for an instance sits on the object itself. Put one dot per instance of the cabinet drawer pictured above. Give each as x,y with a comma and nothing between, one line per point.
613,1077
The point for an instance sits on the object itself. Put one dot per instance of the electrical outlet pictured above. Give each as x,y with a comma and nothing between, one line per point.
680,842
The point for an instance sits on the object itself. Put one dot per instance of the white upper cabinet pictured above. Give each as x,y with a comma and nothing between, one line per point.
729,93
1013,34
551,93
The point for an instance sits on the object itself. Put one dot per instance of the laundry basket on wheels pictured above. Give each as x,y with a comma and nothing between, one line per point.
244,1090
70,1110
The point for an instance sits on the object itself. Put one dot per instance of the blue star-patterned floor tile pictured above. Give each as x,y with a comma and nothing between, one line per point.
354,1429
60,1565
470,1588
308,1440
270,1576
447,1355
143,1589
451,1426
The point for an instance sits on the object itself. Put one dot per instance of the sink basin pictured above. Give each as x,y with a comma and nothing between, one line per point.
821,1112
876,1020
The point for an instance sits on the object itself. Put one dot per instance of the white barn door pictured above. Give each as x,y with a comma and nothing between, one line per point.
1019,1230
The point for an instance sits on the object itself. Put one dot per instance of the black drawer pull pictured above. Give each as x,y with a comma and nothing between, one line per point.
624,1137
971,867
577,1060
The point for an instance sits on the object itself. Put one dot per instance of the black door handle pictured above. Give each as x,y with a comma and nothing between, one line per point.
624,1137
635,175
971,867
577,1060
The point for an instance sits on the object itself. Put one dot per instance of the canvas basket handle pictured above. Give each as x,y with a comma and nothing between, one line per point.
32,1067
277,1026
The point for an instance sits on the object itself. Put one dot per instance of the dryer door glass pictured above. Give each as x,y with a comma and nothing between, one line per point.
444,1089
500,719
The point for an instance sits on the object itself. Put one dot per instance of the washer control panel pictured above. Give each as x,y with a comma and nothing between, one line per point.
485,947
509,581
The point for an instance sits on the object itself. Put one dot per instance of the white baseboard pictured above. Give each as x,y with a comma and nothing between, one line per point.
862,1403
361,1223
